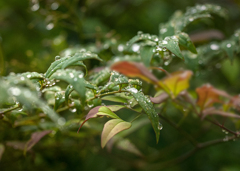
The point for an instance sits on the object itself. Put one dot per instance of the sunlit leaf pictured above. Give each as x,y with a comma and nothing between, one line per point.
176,82
147,106
111,128
73,77
133,69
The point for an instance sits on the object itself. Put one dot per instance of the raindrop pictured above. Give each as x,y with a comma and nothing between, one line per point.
22,78
35,7
229,45
75,79
214,47
139,33
120,48
80,76
71,75
163,30
15,91
50,26
135,47
29,76
160,126
57,58
191,19
73,110
54,6
164,42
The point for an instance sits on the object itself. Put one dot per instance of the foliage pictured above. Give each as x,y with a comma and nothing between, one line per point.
149,80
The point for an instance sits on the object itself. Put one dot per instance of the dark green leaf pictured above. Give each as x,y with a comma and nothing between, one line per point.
146,53
185,41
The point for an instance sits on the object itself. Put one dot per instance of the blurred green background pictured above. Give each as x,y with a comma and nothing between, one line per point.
33,32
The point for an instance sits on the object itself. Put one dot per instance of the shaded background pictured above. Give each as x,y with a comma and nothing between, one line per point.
33,32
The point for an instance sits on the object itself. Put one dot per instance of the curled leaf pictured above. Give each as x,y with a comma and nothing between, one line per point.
111,128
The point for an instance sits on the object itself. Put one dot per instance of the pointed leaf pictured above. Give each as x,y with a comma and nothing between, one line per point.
133,69
171,43
73,77
33,75
146,53
185,41
127,145
59,99
176,82
160,98
229,48
111,128
101,76
142,36
147,106
114,99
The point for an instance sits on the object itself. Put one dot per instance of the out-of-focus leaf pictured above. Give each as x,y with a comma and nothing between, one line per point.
59,99
147,106
133,69
176,82
35,137
73,77
16,144
206,35
53,89
160,98
115,99
141,36
111,128
185,41
115,108
2,148
230,71
146,53
99,111
213,111
101,76
171,43
33,75
207,95
127,145
229,47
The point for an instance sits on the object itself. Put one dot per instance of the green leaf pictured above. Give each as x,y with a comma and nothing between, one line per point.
101,76
70,61
73,77
146,53
186,42
171,43
2,148
53,89
229,47
231,71
127,145
68,91
106,112
33,75
114,98
141,36
111,128
59,99
147,106
115,108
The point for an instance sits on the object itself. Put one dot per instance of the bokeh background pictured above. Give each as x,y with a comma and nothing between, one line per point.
33,32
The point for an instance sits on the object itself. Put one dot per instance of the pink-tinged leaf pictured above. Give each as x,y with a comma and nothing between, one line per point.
100,111
213,111
176,82
235,102
160,98
111,128
2,148
134,69
20,145
35,137
208,95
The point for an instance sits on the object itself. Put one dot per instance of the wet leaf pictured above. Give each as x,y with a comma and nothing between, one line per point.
99,111
53,89
2,148
146,53
230,71
115,108
186,42
33,75
35,137
114,98
101,76
147,106
73,77
133,69
59,100
229,47
142,36
171,43
176,82
111,128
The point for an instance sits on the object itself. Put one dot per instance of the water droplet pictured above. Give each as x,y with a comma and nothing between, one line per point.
27,94
57,58
203,8
29,76
15,91
164,42
61,121
73,110
71,75
191,19
50,26
133,90
120,48
229,45
160,126
139,33
54,6
214,46
163,30
35,7
22,78
135,47
80,76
